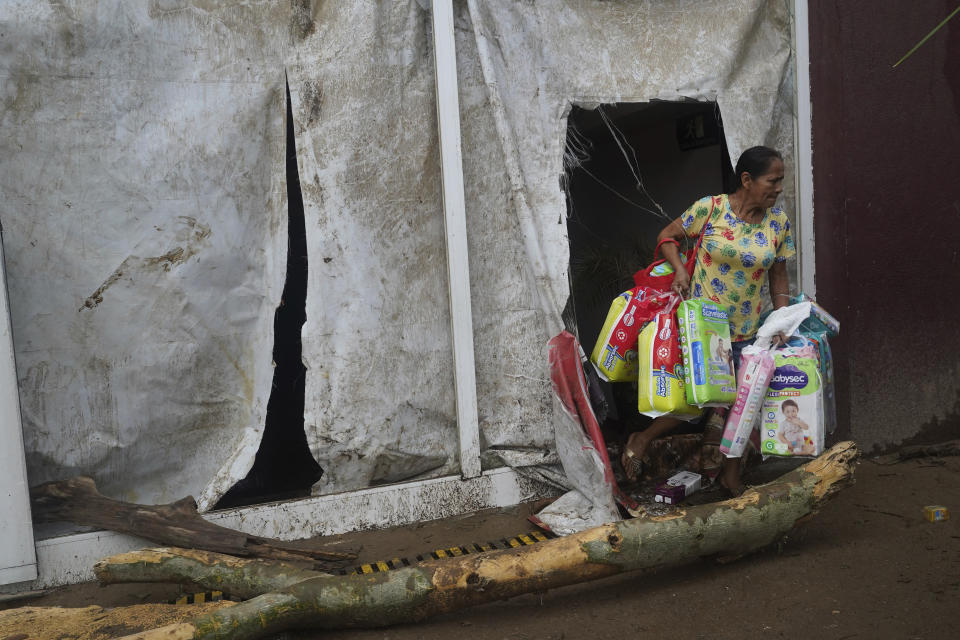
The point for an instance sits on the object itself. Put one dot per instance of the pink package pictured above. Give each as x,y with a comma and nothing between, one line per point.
753,377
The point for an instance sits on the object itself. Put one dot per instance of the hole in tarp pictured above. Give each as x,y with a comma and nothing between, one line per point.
629,168
284,468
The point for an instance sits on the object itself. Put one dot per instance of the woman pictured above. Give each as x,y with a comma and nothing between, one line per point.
746,238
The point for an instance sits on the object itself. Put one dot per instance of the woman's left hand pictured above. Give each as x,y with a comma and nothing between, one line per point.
780,339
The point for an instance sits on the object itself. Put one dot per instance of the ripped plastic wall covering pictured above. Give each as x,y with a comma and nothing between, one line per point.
143,189
142,173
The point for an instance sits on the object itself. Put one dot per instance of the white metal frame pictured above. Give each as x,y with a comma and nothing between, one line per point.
18,561
803,146
455,224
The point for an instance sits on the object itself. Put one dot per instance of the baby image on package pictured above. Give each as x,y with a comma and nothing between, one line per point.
793,421
707,361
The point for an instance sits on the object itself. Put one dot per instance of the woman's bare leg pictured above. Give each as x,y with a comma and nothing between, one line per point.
638,441
730,476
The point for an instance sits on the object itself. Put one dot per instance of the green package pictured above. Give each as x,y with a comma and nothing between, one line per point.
707,353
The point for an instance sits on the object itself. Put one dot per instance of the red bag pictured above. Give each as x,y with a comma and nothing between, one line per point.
659,275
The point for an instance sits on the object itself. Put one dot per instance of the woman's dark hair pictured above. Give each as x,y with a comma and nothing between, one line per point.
755,161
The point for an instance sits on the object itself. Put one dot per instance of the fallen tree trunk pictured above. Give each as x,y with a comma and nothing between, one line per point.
178,523
759,517
238,578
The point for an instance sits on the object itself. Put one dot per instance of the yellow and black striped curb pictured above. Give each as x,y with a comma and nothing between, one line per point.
522,540
199,598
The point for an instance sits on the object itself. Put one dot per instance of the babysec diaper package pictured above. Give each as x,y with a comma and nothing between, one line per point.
707,358
660,381
792,422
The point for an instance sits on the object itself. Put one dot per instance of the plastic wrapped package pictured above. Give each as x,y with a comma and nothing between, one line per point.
707,354
660,384
819,340
615,353
757,367
793,419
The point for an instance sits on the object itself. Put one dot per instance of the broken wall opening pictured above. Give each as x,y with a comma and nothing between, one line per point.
630,168
284,467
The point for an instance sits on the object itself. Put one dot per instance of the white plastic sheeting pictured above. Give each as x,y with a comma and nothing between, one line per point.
142,173
143,198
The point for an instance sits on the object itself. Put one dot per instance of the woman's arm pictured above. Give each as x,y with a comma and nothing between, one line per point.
779,292
779,285
671,251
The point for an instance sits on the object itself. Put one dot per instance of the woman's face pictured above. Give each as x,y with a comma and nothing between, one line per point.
765,189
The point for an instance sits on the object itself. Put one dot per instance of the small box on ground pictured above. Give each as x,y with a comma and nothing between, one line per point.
677,487
936,513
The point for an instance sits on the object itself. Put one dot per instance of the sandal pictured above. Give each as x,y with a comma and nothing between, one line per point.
636,466
633,466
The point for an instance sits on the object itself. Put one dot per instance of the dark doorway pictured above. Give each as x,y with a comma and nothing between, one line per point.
284,468
629,169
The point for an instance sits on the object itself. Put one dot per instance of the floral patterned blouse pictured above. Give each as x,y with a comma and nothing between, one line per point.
734,258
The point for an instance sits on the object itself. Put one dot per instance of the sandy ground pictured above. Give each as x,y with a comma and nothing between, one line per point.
867,566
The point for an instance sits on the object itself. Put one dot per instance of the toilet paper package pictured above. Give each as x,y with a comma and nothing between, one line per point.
660,383
792,422
757,367
707,357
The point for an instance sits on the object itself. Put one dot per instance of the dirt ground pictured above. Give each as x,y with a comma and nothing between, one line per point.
867,566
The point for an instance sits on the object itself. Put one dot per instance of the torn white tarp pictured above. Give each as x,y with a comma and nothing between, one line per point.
143,200
144,217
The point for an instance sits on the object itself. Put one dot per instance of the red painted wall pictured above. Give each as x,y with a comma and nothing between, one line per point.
886,167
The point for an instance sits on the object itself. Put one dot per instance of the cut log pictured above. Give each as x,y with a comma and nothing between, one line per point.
177,524
238,578
758,518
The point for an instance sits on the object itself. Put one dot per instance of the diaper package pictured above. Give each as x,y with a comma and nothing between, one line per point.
753,377
820,319
615,354
660,381
819,340
707,358
793,421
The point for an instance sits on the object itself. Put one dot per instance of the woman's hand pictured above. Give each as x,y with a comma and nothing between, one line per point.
681,282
